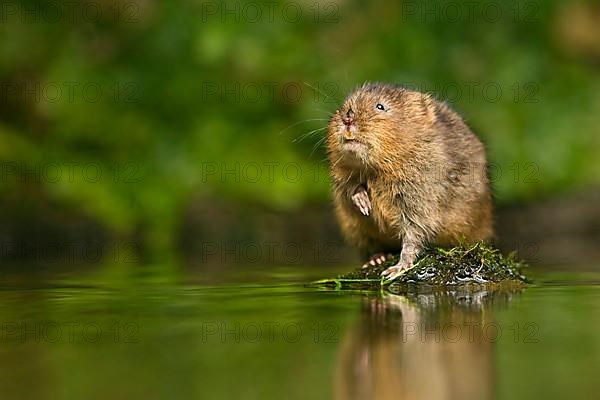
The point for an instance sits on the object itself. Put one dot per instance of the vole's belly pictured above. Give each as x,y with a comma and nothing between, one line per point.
386,220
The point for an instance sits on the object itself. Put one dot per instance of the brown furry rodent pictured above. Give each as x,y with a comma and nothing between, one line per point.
406,171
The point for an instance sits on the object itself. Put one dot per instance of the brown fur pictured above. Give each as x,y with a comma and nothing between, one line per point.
424,170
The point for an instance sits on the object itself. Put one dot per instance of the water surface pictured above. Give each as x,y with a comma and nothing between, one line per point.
262,334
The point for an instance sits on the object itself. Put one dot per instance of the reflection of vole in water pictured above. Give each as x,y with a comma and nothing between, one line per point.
406,171
402,350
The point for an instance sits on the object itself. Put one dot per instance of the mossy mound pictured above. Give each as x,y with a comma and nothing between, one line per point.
478,265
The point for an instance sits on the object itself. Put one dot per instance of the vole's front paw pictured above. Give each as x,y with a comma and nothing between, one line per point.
393,272
362,202
377,259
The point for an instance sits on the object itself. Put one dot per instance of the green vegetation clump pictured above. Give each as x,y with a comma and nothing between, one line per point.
464,265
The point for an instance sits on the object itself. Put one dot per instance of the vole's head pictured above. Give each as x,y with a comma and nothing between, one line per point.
377,123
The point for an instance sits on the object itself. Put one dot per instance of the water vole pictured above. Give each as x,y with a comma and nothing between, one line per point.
406,171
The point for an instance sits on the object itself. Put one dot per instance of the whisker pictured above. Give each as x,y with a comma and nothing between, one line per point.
349,177
301,122
305,135
316,146
337,161
318,90
329,113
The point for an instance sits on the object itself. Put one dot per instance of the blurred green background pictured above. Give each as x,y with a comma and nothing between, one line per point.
165,125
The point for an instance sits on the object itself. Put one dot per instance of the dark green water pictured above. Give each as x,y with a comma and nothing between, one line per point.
65,339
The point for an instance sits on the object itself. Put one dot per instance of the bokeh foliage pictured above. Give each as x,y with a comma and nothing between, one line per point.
167,71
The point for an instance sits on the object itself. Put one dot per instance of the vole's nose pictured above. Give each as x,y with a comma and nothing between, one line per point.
348,119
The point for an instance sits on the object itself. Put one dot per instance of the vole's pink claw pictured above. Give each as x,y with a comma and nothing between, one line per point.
377,259
362,202
394,272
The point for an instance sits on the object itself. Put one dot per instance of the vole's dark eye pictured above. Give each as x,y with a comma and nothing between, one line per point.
380,107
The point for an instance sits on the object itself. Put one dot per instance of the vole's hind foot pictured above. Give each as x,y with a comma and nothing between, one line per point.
361,201
376,259
397,270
